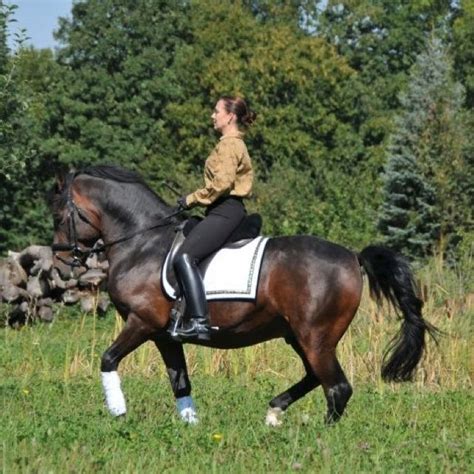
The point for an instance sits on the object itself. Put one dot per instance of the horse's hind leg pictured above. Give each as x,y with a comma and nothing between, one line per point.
335,384
173,357
132,336
281,402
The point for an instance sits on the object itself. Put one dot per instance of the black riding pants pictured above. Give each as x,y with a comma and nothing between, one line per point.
222,218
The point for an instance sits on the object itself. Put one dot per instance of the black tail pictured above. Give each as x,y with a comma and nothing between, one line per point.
390,276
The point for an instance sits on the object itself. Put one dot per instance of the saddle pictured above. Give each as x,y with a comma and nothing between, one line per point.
246,231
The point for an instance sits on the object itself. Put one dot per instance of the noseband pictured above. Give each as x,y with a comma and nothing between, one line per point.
80,255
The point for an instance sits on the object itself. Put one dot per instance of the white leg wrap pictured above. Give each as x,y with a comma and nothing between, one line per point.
274,416
187,410
113,393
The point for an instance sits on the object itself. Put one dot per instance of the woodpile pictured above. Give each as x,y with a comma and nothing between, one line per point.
35,290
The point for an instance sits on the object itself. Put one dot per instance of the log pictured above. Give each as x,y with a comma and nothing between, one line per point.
45,313
93,261
32,281
11,272
13,294
37,286
88,302
103,304
55,280
71,284
71,296
45,302
36,258
92,278
77,272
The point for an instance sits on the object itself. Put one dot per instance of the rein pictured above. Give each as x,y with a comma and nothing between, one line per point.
79,255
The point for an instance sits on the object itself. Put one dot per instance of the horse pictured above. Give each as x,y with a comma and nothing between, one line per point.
308,293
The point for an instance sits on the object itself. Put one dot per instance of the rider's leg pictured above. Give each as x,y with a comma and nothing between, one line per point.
192,286
207,237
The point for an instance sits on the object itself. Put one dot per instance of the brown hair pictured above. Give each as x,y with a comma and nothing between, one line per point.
238,106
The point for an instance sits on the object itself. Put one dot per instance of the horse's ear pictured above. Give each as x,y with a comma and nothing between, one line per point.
60,180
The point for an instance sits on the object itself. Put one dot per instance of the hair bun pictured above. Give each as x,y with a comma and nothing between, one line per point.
249,118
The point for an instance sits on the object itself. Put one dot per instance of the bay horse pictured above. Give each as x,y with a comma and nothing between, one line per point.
309,291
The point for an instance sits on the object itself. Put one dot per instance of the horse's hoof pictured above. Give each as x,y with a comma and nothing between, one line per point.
331,419
188,415
273,417
187,410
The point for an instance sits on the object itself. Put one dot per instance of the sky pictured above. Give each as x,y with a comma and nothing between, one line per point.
40,19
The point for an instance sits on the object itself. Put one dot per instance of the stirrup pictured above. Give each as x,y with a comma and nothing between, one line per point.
194,328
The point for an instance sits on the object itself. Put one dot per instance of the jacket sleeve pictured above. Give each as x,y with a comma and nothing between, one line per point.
219,175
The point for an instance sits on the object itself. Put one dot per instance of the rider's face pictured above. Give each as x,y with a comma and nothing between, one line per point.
220,117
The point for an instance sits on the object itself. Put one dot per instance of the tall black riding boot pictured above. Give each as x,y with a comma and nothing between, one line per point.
196,321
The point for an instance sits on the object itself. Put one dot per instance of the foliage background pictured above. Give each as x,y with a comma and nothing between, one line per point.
334,85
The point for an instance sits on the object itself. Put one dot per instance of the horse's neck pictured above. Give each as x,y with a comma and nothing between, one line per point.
128,213
145,247
140,238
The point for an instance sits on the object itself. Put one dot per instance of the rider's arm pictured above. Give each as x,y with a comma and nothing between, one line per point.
219,174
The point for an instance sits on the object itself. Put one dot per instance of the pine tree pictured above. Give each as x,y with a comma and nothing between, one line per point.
408,219
424,205
463,39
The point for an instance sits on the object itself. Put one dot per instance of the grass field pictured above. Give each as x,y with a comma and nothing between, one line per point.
53,418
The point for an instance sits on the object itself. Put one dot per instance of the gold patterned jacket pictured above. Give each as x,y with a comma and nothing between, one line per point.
228,171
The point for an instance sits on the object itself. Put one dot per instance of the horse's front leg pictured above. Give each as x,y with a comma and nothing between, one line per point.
132,336
173,357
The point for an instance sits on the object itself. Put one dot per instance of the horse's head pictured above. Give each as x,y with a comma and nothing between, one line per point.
106,202
76,220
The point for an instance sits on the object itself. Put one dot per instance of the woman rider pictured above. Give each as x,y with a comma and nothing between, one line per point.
228,178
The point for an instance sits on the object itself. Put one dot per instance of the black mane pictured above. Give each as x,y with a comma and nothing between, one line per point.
114,173
117,173
108,172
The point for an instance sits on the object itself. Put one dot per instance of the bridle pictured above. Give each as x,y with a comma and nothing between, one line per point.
80,255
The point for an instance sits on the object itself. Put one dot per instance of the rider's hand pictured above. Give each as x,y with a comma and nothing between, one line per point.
182,206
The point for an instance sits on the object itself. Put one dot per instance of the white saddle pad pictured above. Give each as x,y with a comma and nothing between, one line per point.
230,273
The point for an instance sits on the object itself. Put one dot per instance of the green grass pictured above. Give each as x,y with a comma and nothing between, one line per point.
53,417
56,427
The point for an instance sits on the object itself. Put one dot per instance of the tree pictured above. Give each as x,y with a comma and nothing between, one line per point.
11,104
463,41
116,81
408,219
427,174
304,95
381,41
140,80
22,208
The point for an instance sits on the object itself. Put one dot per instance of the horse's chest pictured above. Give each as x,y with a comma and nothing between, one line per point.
134,288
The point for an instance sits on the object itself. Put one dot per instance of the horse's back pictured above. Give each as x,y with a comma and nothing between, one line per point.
310,249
